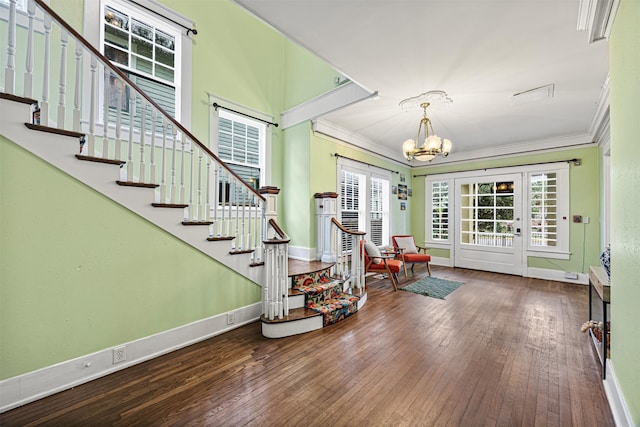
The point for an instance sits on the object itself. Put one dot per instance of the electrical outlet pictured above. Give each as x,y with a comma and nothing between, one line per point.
586,220
119,354
231,318
571,275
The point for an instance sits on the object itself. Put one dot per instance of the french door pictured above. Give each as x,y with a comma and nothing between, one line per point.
488,223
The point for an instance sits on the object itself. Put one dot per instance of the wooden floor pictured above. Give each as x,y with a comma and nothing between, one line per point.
500,350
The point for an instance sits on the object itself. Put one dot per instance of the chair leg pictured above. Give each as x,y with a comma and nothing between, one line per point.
404,264
394,280
429,268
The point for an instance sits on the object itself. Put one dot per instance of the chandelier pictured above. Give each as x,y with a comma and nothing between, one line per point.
433,145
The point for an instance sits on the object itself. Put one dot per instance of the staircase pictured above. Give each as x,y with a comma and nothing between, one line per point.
145,160
316,300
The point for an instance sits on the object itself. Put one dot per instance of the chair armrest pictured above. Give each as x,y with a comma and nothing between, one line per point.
422,248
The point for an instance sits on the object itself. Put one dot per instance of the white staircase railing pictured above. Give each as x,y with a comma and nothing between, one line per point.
349,265
129,128
275,291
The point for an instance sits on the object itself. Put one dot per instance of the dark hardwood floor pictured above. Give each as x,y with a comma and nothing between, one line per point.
500,350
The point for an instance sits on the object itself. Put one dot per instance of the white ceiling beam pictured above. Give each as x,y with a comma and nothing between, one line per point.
342,96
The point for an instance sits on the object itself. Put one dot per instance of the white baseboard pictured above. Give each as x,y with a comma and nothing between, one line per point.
619,408
444,262
557,275
26,388
302,253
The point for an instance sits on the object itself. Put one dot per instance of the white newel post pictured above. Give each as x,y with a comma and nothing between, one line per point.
326,209
270,208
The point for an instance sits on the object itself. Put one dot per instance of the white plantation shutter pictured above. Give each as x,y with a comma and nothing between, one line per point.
365,201
239,142
379,211
440,210
543,196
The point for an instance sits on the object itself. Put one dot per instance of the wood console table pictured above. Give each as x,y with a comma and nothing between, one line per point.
599,300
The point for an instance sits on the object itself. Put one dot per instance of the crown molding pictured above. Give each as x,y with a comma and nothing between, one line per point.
355,139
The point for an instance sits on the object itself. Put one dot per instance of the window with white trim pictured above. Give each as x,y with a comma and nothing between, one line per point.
241,141
365,202
20,4
439,210
543,209
147,50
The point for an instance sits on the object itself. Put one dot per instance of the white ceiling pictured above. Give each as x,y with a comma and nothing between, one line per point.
480,52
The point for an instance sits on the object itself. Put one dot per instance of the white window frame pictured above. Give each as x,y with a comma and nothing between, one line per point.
364,217
260,121
93,32
429,240
561,251
262,130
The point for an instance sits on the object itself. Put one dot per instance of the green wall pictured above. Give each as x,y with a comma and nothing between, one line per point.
81,273
625,202
324,177
584,200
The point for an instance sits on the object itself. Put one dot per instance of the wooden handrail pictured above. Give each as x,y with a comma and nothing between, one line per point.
278,230
124,77
346,230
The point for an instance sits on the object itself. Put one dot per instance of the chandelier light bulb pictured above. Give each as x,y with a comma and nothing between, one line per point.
446,146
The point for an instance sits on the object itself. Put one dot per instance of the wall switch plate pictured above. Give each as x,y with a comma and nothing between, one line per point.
586,220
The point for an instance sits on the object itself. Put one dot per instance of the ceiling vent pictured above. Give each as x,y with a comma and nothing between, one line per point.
533,95
596,18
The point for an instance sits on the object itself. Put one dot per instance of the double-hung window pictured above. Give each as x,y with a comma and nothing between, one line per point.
145,48
240,143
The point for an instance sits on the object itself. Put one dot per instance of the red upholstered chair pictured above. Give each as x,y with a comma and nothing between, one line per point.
375,262
409,253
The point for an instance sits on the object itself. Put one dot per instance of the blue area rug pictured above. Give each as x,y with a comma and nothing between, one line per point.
432,287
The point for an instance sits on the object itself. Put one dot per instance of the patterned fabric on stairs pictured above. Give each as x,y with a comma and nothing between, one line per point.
324,295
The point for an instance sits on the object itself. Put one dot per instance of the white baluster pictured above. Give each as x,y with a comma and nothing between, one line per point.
182,198
216,198
163,167
77,92
207,192
132,107
10,69
62,83
152,155
46,72
143,132
91,139
28,71
106,105
174,130
118,148
192,209
237,212
200,212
